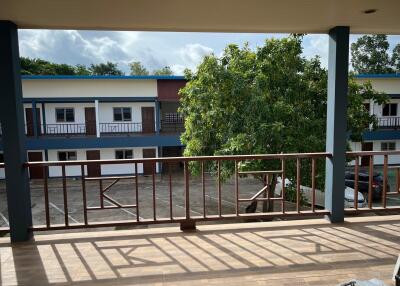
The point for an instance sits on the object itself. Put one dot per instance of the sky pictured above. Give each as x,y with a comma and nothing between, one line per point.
153,49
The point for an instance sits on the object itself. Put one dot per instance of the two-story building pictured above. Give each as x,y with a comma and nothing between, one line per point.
114,117
387,135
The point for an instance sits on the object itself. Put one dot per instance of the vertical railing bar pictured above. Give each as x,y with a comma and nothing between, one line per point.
101,193
237,188
219,188
85,218
267,185
313,174
298,185
171,214
137,193
283,185
371,171
385,179
187,198
154,190
356,172
203,184
64,183
46,196
398,180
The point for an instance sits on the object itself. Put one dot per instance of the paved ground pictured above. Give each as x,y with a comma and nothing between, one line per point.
123,192
311,252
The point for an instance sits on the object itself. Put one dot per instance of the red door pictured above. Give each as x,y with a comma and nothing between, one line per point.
93,170
148,120
29,121
366,146
90,120
35,172
148,167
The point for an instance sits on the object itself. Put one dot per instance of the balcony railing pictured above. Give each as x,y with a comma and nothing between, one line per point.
172,126
201,196
389,122
120,128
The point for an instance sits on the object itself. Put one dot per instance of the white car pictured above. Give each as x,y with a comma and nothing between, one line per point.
349,199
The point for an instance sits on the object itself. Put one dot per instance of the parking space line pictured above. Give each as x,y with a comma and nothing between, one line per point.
61,211
4,218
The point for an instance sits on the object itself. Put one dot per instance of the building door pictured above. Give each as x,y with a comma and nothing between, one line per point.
90,120
148,120
35,172
93,169
148,167
29,121
366,146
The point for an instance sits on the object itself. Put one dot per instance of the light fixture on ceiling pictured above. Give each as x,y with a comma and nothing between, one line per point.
370,11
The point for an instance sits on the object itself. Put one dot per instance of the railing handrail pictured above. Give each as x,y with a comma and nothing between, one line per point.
372,153
185,159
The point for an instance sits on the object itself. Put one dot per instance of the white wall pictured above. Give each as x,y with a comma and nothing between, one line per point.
47,88
105,154
387,85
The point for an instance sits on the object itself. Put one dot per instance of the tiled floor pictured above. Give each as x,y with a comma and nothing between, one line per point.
306,252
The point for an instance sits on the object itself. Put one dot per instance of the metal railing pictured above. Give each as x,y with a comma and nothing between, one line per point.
172,126
389,122
188,219
194,189
120,128
69,129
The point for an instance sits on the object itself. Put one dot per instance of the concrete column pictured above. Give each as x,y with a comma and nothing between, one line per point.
35,126
12,121
96,106
336,137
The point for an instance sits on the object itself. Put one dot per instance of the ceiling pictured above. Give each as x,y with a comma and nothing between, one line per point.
282,16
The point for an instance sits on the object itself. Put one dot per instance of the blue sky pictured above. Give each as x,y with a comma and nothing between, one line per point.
153,49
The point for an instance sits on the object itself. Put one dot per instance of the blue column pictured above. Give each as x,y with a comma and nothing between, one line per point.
158,117
44,118
338,67
34,120
12,121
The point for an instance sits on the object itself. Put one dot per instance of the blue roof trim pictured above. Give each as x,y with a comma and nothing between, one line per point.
389,75
170,77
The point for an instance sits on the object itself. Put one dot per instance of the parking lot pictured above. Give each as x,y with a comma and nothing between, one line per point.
124,193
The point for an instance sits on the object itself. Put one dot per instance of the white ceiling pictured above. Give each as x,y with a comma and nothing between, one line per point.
294,16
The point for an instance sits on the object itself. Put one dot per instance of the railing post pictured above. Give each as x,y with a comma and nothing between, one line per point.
12,122
336,136
188,224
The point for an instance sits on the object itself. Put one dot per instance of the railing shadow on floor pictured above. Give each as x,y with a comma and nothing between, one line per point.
292,250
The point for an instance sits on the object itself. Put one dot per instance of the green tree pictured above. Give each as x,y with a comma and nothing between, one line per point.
396,58
163,71
267,101
81,70
43,67
369,54
107,68
138,69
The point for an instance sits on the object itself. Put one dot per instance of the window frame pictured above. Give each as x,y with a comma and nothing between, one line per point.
124,151
122,112
388,146
390,109
64,109
67,157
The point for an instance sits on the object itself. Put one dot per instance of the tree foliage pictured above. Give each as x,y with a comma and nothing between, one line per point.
396,58
267,101
42,67
138,69
107,68
163,71
370,55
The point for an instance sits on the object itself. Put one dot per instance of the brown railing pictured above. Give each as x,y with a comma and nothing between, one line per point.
190,216
373,183
194,199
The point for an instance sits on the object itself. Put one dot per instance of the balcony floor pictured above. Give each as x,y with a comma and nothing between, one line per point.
302,252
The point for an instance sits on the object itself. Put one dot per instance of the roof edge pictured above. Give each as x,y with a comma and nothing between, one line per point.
72,77
388,75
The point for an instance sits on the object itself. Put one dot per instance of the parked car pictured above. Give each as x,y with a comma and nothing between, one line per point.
363,184
349,199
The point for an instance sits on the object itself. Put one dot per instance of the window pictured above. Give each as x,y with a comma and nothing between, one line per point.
389,109
1,158
67,156
122,114
173,117
65,115
388,146
123,154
